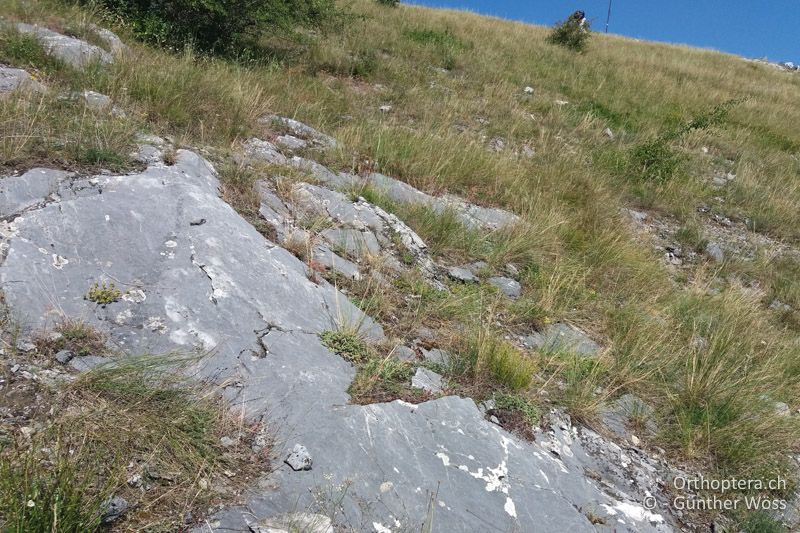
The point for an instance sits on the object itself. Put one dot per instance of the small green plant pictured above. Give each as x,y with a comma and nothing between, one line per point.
103,293
381,379
101,156
520,404
390,3
571,33
581,375
345,344
656,160
446,44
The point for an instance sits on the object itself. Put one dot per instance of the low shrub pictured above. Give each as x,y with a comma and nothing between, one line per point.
216,26
570,34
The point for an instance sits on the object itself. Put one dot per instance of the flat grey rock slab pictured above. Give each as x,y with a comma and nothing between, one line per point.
298,129
264,151
563,337
387,461
322,174
95,100
427,380
435,355
462,274
13,79
471,215
507,286
110,40
311,200
18,193
195,283
290,142
85,363
353,242
399,191
475,216
74,52
273,210
324,256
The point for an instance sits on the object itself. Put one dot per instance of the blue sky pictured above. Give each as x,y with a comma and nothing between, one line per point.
751,28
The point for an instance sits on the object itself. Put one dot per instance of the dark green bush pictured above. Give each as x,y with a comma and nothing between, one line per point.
570,34
216,26
390,3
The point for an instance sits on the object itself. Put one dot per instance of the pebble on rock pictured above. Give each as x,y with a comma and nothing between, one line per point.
299,458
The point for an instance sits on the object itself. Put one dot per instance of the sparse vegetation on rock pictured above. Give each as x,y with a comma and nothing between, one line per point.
512,268
103,293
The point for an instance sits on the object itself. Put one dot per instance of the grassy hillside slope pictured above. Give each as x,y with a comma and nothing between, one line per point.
704,343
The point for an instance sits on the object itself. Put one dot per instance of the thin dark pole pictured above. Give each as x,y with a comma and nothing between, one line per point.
608,18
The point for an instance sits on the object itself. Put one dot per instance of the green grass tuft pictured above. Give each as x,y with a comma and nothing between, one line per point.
345,344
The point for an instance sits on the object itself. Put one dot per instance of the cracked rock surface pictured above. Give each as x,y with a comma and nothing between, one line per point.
196,276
